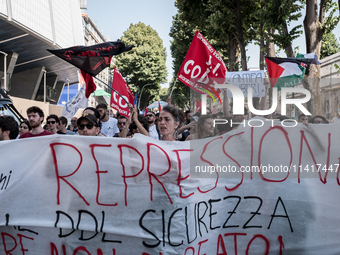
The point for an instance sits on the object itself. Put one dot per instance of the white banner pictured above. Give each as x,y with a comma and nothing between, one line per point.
245,79
72,195
76,102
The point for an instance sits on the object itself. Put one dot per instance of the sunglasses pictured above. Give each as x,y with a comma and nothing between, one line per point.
121,123
51,122
73,121
88,126
149,115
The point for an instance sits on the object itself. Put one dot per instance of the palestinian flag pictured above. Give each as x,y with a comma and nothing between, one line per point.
287,72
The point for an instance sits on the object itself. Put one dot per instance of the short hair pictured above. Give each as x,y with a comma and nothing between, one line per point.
8,123
53,116
121,117
35,109
151,112
302,115
174,112
101,105
95,111
63,120
325,121
225,127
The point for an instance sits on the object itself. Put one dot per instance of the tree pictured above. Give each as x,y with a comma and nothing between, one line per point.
316,24
144,64
329,46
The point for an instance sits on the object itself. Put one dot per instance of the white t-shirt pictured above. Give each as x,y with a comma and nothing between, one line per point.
335,120
109,128
153,132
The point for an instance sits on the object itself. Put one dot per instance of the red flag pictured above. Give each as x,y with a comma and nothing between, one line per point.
159,106
90,86
198,106
123,89
146,110
202,64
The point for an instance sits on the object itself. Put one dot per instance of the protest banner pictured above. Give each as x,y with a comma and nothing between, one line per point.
71,195
245,79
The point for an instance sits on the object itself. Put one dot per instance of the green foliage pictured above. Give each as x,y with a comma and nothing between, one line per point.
330,45
144,64
337,67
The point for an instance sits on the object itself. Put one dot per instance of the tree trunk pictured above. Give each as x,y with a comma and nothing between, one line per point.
240,38
270,48
232,55
313,23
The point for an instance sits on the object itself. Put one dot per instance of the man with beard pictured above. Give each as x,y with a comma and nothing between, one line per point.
35,117
153,129
9,128
109,125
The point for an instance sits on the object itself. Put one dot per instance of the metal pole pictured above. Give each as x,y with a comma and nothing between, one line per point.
5,68
142,93
173,88
68,90
112,89
44,86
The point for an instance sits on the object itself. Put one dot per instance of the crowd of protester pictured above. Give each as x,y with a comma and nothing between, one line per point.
171,124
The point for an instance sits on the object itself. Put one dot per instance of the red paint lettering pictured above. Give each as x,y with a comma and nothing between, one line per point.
20,241
285,133
92,146
223,147
180,178
152,174
235,238
8,252
123,166
206,161
59,177
262,237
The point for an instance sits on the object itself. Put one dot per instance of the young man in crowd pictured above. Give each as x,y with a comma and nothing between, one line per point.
9,128
62,127
35,117
52,123
73,127
121,124
109,125
88,125
153,129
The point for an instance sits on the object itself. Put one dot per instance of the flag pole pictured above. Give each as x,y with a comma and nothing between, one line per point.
173,88
107,85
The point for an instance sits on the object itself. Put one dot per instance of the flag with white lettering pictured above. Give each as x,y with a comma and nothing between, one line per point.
117,102
202,65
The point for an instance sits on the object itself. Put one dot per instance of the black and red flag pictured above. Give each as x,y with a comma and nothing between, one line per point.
92,59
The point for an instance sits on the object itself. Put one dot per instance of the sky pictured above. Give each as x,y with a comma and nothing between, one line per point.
112,18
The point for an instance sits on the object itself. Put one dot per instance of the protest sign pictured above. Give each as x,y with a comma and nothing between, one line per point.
100,196
245,79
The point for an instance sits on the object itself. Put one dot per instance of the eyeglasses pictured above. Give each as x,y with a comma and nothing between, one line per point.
73,121
149,115
51,122
121,123
88,126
